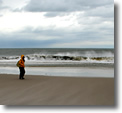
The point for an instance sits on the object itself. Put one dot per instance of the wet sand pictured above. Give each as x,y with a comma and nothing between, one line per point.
45,90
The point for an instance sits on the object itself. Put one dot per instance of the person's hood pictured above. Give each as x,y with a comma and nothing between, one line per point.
22,56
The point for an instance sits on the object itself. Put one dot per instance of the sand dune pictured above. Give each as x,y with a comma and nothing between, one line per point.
45,90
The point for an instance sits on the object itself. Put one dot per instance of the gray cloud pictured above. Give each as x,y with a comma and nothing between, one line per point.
28,38
51,14
1,2
3,7
18,40
104,11
54,14
25,43
64,5
90,25
100,8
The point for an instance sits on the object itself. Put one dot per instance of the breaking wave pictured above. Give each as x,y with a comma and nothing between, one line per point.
65,57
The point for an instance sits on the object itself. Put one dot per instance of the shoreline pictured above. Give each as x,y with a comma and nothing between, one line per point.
52,90
62,71
59,64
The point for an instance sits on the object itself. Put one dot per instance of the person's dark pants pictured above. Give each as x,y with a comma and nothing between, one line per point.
22,72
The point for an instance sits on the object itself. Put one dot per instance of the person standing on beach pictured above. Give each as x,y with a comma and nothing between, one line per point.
22,67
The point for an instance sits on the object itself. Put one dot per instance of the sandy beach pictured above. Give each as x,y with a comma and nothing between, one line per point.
45,90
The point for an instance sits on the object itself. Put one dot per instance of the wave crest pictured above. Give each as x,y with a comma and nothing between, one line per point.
64,57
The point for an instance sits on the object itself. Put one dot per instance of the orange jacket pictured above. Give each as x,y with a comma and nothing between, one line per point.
21,62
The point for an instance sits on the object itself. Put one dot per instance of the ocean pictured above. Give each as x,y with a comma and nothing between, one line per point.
78,62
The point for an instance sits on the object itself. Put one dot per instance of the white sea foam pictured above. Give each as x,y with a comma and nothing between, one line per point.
54,58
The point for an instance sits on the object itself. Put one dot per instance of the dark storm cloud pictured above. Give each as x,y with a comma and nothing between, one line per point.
64,5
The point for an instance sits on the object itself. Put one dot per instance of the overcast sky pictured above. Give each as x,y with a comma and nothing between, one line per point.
56,23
